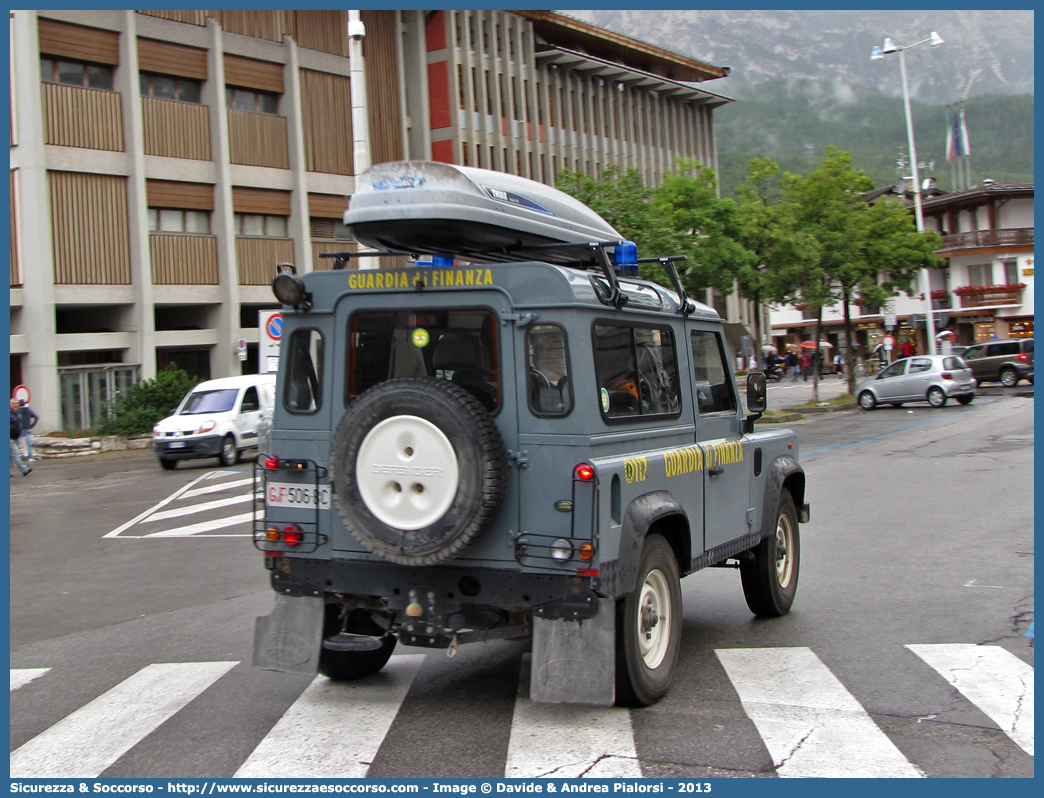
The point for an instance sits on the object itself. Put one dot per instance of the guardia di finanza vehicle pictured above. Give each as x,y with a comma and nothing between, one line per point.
520,439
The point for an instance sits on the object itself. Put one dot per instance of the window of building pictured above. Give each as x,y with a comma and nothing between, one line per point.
1011,272
980,274
76,73
163,87
175,220
256,102
257,224
329,228
636,370
713,379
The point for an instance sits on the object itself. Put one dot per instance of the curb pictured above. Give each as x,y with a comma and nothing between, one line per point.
48,448
828,409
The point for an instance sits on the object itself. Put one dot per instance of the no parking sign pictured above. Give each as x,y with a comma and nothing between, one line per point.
270,326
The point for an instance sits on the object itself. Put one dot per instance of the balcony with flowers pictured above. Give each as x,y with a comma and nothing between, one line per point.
979,296
941,299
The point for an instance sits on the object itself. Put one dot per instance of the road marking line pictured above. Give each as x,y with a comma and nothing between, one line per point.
20,677
810,724
203,526
198,508
216,488
175,495
85,743
992,678
561,741
335,728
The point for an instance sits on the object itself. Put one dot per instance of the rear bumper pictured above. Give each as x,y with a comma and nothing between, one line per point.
960,388
190,448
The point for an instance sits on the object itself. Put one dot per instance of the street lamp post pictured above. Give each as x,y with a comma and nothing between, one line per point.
877,54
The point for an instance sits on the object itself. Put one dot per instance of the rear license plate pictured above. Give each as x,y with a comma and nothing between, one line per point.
288,494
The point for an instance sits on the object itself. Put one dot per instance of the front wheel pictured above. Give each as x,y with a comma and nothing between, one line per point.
937,397
229,453
1009,378
965,400
648,627
770,578
867,400
168,463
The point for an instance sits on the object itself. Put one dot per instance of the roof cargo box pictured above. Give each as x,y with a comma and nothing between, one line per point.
441,209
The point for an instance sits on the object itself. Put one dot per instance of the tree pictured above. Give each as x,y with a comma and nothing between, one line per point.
147,402
868,250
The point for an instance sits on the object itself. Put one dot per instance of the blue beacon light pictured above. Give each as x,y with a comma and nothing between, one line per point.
625,256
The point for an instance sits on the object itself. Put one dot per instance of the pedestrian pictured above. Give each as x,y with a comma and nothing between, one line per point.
752,363
16,433
29,420
805,362
907,349
791,362
838,365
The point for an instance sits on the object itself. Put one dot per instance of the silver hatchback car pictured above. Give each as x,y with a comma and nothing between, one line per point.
926,378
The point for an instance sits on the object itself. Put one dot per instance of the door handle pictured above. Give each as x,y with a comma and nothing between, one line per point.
716,470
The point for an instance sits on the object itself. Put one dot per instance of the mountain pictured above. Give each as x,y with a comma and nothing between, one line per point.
985,52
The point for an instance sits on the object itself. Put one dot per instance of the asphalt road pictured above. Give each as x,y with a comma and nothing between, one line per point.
903,654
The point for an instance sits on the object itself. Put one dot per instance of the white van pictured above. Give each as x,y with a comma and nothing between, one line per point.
218,418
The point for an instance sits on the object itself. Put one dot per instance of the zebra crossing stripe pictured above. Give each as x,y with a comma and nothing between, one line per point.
83,744
995,680
560,741
20,677
202,507
335,728
202,526
236,483
810,724
175,495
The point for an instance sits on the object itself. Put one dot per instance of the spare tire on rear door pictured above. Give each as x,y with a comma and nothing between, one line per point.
418,468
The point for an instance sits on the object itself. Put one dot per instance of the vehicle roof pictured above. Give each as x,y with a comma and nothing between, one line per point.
235,382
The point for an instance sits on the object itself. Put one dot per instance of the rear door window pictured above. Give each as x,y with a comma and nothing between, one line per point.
455,345
919,364
637,371
303,393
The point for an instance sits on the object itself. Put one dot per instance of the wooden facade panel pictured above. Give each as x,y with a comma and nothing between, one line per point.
76,117
191,17
380,49
258,24
176,130
174,194
172,59
89,229
327,206
179,259
325,31
326,115
257,140
261,200
79,42
16,263
251,73
256,258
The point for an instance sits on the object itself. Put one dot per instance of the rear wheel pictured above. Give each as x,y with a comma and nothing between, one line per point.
343,666
1009,377
770,578
965,400
937,397
867,400
648,627
168,463
229,455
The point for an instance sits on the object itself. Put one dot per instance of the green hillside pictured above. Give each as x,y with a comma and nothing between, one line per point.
794,121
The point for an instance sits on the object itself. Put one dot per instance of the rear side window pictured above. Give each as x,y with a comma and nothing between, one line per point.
713,383
547,382
637,371
919,364
954,364
304,372
1010,348
1027,346
455,345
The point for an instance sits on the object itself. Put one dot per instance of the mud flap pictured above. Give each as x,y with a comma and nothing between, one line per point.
574,652
290,638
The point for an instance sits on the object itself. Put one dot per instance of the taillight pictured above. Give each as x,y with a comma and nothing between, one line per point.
292,535
584,472
1022,357
947,375
271,462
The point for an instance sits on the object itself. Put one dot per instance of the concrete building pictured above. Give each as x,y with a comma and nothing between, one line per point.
985,290
162,162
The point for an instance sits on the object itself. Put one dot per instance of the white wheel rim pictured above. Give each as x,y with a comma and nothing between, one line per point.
407,472
784,550
654,619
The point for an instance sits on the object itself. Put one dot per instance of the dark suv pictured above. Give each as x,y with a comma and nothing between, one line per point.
1006,361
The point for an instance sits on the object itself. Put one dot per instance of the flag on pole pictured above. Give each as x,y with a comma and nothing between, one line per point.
950,141
965,141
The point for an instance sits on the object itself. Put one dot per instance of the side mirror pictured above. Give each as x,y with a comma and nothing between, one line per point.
757,399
